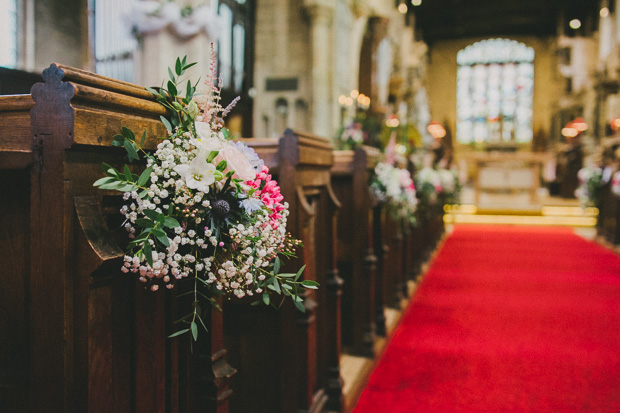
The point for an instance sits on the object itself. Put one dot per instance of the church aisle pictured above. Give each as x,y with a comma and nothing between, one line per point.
507,319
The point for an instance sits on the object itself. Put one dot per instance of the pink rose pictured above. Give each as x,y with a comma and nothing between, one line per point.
236,161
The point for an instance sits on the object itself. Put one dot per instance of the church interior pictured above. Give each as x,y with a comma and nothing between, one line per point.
310,206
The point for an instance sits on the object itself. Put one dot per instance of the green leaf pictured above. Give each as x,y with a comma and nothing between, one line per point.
178,67
132,153
143,194
144,176
189,91
299,306
166,123
172,77
153,91
313,285
144,223
266,298
163,239
172,89
127,187
127,174
171,223
178,333
276,265
119,140
106,180
212,156
189,65
148,253
287,275
194,328
143,139
129,134
221,166
301,270
275,287
151,214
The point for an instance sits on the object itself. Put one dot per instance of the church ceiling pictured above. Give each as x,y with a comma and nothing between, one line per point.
453,19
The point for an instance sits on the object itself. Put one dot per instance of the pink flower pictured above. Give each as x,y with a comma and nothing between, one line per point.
268,191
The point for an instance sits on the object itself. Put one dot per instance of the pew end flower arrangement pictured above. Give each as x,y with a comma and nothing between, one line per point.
590,185
205,211
393,187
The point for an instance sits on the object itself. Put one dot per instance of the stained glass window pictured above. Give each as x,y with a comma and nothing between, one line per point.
8,33
495,83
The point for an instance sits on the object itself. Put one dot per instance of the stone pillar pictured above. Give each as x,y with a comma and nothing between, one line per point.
321,14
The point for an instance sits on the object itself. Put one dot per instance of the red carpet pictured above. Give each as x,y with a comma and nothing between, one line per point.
507,319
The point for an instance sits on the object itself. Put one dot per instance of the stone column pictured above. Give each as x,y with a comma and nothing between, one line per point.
321,14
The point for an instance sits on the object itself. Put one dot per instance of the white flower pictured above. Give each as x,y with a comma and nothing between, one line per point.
199,174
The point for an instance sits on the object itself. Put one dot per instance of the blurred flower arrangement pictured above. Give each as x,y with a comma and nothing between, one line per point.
394,188
429,185
351,137
152,16
590,185
450,185
205,210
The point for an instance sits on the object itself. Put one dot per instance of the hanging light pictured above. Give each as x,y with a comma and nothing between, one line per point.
436,130
402,8
569,130
580,124
604,12
416,2
392,122
575,24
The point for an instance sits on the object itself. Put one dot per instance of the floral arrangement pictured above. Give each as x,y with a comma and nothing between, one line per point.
150,16
590,185
394,188
429,184
205,211
351,136
450,186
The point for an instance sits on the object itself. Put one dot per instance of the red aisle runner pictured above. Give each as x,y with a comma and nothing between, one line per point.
507,319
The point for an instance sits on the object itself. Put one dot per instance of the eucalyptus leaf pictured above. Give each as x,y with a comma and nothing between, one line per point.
128,134
313,285
301,270
178,333
144,176
170,222
132,153
148,253
299,306
194,328
103,181
144,223
166,123
276,265
266,298
151,214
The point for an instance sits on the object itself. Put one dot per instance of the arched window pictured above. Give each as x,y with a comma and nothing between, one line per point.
495,82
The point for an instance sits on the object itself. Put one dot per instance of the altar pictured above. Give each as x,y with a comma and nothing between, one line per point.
507,172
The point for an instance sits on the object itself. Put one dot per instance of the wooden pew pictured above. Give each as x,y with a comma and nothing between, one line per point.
82,336
289,361
356,258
